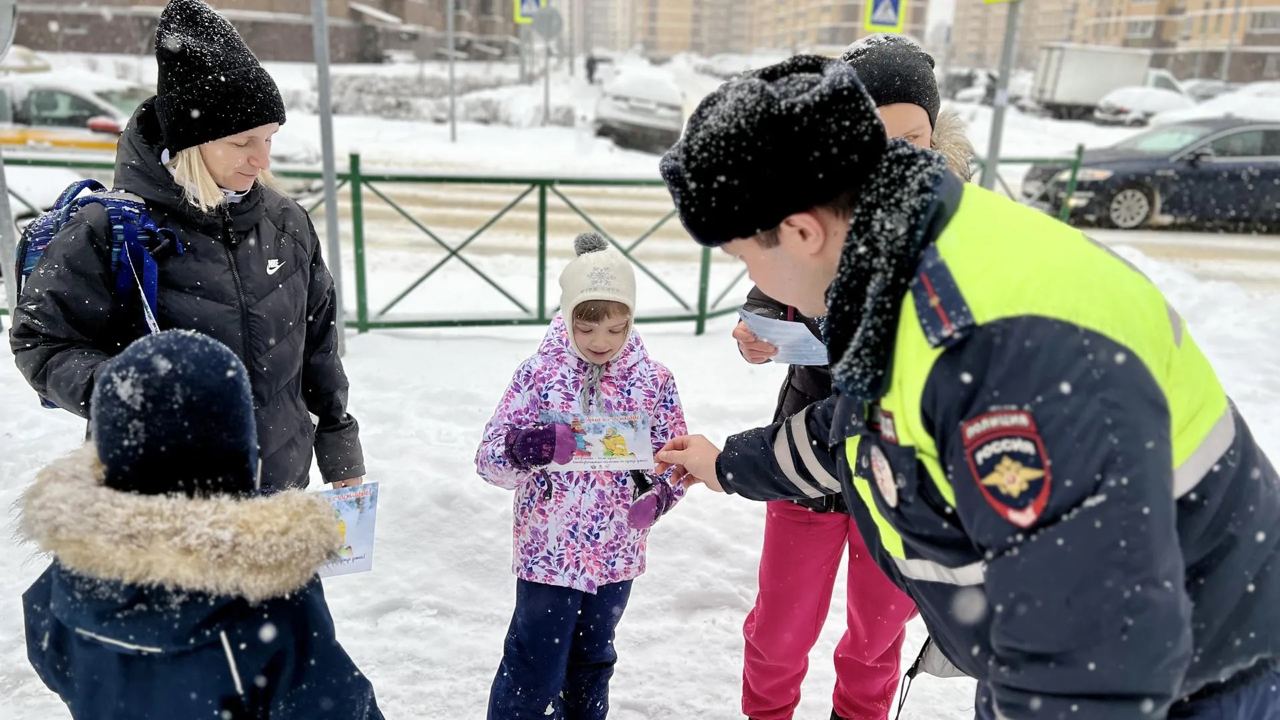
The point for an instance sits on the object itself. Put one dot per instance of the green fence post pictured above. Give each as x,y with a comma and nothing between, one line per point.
704,286
357,242
542,252
1064,214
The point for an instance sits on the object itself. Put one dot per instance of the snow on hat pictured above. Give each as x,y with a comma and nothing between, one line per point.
770,143
599,272
211,85
174,413
894,69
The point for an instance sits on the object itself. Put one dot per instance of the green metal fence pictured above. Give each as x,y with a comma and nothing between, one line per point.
357,182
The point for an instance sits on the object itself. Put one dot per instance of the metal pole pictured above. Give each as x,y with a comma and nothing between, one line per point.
992,164
453,95
8,245
573,24
357,244
1231,38
519,42
542,252
320,33
546,86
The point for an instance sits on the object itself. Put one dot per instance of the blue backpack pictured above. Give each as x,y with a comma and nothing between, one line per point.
134,236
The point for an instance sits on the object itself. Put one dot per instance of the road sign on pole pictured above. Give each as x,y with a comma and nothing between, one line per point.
885,16
549,24
526,9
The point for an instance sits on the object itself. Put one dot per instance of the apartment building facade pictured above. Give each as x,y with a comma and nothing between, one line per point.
977,32
819,26
1191,38
360,30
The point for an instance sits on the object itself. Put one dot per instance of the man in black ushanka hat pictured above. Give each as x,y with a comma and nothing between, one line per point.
1028,437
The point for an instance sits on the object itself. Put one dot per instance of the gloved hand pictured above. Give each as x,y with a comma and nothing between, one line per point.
651,505
540,445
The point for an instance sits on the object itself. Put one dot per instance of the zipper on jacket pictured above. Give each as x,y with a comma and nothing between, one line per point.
227,241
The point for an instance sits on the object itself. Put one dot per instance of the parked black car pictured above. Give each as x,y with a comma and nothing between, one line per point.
1216,172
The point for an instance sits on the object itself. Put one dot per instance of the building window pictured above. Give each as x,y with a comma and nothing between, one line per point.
1140,29
1264,22
1271,69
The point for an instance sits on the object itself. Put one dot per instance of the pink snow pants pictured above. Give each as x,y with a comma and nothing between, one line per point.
802,552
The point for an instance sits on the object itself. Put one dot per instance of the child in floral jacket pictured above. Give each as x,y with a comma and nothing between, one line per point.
579,535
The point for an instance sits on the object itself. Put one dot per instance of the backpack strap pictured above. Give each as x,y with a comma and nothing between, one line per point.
134,235
74,189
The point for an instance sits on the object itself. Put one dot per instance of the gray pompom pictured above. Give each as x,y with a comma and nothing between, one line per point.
589,243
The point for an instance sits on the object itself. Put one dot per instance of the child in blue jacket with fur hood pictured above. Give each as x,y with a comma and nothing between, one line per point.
177,590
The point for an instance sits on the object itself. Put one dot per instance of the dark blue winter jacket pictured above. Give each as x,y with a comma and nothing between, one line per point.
1034,447
167,607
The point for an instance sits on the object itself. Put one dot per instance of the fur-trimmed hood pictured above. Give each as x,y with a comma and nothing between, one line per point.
255,548
950,138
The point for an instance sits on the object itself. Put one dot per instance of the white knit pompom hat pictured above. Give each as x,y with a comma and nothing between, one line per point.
599,272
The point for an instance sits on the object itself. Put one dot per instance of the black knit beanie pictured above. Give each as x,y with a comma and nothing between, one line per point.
173,413
210,85
894,69
770,143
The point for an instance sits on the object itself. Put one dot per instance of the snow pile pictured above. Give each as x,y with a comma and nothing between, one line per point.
399,96
727,65
1229,105
1145,100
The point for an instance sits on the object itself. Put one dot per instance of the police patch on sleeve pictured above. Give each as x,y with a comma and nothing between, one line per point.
1007,458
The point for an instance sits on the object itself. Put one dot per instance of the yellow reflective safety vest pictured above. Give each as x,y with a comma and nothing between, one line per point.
1052,471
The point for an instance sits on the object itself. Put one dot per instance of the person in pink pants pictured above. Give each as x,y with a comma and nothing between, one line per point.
804,541
803,550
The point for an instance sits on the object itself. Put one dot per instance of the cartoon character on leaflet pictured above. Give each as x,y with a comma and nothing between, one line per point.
582,448
615,445
345,551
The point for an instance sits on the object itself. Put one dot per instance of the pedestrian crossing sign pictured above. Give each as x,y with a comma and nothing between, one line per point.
885,16
526,9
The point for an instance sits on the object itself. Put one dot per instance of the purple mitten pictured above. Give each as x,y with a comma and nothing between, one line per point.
566,443
539,445
651,505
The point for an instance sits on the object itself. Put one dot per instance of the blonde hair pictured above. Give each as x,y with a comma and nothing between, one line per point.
198,186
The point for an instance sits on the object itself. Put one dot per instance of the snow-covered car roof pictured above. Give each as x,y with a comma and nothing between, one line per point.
1261,89
1256,101
646,84
1146,99
72,80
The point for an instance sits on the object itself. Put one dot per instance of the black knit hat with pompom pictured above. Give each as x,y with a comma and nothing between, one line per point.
774,142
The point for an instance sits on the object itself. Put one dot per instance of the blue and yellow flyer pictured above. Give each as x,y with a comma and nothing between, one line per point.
357,510
607,442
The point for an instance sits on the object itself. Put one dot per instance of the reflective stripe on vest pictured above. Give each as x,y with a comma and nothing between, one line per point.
912,568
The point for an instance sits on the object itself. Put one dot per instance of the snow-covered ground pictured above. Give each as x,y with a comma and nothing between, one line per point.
427,623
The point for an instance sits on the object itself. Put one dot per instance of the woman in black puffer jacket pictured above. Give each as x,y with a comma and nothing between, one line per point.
249,273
